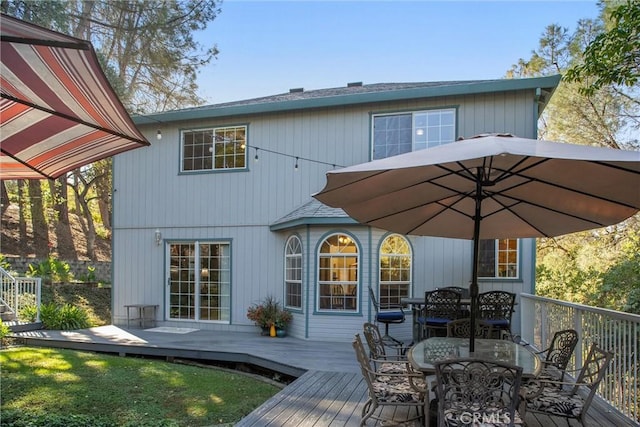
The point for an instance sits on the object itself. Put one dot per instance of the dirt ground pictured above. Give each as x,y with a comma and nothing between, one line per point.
76,249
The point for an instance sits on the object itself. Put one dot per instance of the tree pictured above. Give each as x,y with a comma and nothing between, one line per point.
585,267
613,57
149,55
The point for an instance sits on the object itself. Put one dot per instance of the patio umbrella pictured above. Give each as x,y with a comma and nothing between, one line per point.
490,187
58,111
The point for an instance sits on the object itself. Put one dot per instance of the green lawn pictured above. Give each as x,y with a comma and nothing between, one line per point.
60,384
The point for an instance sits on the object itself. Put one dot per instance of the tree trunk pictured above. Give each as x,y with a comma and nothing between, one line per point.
22,220
4,197
64,238
90,230
40,228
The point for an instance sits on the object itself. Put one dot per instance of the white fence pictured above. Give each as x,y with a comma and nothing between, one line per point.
19,292
613,330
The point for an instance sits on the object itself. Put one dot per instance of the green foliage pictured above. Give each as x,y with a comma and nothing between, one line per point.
90,277
269,313
602,271
64,317
4,264
51,270
14,418
4,330
28,313
613,57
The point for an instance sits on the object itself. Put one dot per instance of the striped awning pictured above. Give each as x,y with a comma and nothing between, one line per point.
58,112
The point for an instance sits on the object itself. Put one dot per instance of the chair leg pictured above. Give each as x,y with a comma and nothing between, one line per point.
388,337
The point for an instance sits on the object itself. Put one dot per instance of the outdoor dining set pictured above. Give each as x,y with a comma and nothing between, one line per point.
440,379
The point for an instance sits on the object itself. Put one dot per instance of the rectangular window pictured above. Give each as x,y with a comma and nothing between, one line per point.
214,149
395,134
498,258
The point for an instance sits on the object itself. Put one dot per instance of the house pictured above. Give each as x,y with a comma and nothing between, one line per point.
218,214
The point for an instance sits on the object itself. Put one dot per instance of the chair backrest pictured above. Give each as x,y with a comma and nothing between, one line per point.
374,301
474,386
496,305
461,328
464,292
374,341
593,370
561,348
442,304
368,370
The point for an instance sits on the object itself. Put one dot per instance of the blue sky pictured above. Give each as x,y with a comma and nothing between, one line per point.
268,47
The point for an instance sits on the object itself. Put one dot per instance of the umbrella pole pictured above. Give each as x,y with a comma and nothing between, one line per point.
473,290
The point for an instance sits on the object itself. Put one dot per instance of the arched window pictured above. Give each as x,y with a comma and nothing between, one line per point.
395,270
338,274
293,273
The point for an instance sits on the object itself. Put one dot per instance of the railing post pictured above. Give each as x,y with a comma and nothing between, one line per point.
577,325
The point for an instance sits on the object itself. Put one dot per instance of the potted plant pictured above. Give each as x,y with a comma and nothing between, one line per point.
283,318
269,313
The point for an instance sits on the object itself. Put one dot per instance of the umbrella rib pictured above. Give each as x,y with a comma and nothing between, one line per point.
44,175
74,119
49,43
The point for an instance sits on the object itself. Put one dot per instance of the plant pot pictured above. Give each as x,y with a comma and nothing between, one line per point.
281,333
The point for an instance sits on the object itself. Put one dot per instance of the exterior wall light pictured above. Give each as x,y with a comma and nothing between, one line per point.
158,236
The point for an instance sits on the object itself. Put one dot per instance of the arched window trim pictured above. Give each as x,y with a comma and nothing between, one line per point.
391,291
338,274
293,273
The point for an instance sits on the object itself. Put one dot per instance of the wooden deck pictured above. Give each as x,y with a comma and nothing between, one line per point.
329,389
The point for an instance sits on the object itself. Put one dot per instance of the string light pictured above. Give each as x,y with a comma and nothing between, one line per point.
243,145
298,158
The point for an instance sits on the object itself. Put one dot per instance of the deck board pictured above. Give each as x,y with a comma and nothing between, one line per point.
329,390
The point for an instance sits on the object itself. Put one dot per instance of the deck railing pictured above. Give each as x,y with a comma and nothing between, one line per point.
19,292
613,330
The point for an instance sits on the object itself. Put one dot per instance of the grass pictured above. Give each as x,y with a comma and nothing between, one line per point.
122,391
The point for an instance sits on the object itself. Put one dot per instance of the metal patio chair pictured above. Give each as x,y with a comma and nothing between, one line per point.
570,399
469,389
402,388
387,314
461,328
496,308
440,307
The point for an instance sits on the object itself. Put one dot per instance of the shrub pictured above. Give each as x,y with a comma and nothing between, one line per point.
64,317
51,271
4,330
269,313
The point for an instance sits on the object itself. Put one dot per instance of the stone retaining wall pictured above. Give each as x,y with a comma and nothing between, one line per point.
78,268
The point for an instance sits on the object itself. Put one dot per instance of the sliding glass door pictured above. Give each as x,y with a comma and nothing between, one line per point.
199,281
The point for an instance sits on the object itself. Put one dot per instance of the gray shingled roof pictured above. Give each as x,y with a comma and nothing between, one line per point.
312,212
351,94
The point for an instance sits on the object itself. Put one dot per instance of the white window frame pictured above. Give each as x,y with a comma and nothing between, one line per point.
429,128
338,275
293,270
504,267
223,148
395,279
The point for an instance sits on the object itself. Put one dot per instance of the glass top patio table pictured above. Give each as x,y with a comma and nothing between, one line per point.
425,353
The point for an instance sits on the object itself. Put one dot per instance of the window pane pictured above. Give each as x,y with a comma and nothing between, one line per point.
338,274
498,258
402,133
395,270
219,148
293,273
